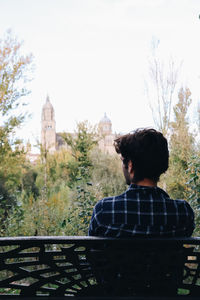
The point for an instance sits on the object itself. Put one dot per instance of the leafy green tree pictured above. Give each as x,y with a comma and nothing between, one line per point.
43,202
28,184
107,174
52,170
80,169
198,116
81,143
193,183
181,147
14,73
40,216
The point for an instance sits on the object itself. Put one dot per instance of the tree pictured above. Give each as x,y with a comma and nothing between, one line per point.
13,77
198,116
193,183
163,78
107,175
181,146
80,172
52,170
81,144
14,73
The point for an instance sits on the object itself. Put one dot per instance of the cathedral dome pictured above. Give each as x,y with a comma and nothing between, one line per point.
105,119
105,125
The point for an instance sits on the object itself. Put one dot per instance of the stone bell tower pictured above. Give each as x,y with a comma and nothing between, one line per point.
48,134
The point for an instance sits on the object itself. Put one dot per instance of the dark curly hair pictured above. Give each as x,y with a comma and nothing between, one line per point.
148,151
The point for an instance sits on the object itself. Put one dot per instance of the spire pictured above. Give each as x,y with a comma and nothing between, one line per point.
48,104
47,99
47,110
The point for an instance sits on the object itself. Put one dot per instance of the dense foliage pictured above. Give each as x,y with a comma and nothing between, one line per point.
193,184
52,204
14,73
181,147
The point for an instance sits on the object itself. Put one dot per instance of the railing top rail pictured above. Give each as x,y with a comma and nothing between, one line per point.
87,239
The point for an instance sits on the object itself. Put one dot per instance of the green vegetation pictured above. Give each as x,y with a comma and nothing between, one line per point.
58,192
14,70
193,184
181,147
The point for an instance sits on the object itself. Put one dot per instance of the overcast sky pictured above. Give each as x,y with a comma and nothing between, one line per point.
91,56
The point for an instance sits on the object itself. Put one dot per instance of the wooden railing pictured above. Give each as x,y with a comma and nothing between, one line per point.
61,267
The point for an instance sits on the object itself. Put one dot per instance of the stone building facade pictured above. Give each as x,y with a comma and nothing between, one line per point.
53,141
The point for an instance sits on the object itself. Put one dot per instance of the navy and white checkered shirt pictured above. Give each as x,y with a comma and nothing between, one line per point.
142,211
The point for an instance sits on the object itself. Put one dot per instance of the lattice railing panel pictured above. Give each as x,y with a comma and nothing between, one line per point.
64,266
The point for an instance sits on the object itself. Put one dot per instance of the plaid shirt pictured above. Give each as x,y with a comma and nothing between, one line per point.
142,211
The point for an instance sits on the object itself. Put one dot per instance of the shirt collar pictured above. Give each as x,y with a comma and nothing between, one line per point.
134,186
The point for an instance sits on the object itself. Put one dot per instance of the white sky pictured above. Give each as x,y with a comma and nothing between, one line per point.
91,56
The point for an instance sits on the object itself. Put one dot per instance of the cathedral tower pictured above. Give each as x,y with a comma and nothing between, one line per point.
48,134
107,137
105,126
